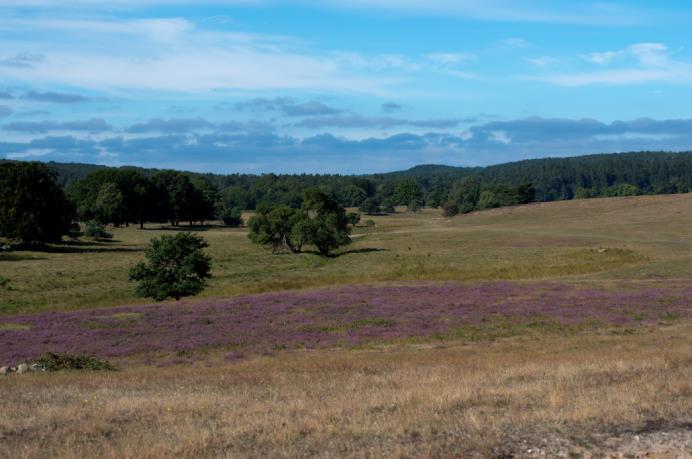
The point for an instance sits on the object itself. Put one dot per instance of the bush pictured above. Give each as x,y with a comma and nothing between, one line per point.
370,223
58,362
96,230
450,209
414,206
353,218
176,267
232,217
74,231
5,283
370,206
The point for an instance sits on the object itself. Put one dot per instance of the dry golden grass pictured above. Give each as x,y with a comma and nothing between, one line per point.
563,396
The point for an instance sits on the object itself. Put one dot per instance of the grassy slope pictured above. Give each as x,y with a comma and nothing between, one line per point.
564,395
646,237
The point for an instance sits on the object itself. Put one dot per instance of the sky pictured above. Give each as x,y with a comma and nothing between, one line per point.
340,86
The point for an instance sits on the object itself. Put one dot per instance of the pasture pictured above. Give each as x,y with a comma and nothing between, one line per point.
547,329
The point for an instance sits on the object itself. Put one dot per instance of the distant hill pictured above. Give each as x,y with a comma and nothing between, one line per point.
553,178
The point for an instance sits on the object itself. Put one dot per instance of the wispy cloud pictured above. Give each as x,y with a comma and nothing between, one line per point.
359,121
174,54
391,107
172,126
288,106
636,64
93,125
54,97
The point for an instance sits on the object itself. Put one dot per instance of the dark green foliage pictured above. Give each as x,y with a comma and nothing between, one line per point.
622,189
176,267
465,193
33,207
489,200
273,227
179,196
330,225
511,184
387,205
118,196
109,206
450,209
59,362
414,206
406,191
353,218
321,222
96,230
526,193
204,198
231,217
351,196
370,206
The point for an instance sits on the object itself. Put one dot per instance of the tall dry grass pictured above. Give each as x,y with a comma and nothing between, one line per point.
565,395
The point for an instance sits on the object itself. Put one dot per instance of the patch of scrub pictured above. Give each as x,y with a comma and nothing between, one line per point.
14,327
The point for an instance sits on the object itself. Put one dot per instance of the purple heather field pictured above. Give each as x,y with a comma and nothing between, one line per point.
343,316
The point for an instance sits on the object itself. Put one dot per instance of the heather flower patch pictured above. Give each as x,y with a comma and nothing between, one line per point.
348,316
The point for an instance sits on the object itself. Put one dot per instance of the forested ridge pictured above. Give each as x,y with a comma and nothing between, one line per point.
553,179
120,196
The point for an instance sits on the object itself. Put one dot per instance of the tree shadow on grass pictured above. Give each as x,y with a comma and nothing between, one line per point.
347,252
16,257
192,229
89,248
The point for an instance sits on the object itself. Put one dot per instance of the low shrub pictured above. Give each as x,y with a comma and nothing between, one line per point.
232,217
96,230
58,362
5,283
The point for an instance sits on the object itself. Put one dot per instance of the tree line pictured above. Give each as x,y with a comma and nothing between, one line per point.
66,193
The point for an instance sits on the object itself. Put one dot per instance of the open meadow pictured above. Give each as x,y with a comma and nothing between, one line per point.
550,329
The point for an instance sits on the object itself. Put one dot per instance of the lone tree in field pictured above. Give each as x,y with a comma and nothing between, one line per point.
321,222
176,267
33,207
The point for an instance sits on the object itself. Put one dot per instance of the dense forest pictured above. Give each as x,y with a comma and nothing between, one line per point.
553,179
135,195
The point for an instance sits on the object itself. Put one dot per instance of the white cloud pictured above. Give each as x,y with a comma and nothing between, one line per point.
172,54
600,58
643,63
544,61
500,137
450,58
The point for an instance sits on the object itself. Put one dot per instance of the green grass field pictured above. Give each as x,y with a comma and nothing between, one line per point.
643,237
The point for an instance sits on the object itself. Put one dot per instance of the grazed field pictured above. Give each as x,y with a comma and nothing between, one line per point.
560,328
647,236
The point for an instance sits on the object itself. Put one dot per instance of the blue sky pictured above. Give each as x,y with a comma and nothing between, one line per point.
340,86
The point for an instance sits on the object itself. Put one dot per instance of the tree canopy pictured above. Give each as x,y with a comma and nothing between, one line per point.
176,266
33,207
